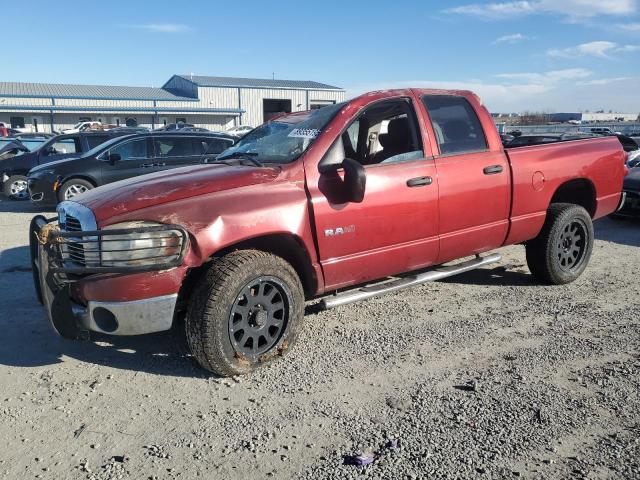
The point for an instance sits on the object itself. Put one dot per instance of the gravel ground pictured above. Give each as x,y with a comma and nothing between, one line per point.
485,375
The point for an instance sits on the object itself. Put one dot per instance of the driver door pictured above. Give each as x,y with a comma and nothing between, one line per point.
134,160
394,228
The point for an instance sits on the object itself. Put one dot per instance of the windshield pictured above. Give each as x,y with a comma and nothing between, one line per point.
285,138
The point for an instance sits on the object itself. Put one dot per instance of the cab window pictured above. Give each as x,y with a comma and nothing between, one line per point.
456,125
385,132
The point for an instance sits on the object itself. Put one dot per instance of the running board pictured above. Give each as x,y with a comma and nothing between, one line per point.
370,291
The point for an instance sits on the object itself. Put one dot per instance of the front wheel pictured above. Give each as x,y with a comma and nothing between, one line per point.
15,187
73,187
245,312
561,252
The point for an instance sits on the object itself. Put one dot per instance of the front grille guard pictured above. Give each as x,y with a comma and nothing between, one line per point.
56,240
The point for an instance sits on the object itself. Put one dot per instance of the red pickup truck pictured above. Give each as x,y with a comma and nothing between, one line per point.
388,186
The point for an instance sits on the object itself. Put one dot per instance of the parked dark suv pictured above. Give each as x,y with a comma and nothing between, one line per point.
121,158
13,170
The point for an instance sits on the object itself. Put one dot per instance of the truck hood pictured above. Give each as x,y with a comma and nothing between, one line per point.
170,186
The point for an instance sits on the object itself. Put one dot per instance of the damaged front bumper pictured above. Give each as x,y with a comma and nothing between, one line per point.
53,278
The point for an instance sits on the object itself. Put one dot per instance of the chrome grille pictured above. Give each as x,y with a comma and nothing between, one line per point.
72,224
75,250
74,217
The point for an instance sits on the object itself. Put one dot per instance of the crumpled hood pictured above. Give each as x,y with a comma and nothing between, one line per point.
632,180
169,186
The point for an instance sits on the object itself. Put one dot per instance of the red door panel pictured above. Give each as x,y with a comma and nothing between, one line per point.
474,203
393,230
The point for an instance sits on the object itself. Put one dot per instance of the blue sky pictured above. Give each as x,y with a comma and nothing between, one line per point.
553,55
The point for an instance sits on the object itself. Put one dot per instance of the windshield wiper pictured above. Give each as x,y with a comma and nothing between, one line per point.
242,155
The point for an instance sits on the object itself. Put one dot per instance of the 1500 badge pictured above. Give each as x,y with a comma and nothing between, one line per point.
332,232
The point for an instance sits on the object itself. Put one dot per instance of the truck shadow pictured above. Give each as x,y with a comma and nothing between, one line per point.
504,275
29,341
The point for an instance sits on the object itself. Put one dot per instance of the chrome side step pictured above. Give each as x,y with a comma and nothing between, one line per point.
369,291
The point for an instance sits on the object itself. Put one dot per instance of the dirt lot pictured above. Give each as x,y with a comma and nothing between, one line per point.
486,375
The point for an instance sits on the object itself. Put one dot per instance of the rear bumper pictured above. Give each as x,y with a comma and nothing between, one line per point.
69,317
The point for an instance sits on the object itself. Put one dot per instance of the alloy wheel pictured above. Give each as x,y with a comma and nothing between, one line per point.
259,316
19,189
571,245
73,190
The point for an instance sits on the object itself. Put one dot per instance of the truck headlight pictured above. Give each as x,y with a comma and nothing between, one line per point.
145,243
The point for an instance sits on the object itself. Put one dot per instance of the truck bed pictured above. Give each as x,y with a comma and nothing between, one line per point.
538,170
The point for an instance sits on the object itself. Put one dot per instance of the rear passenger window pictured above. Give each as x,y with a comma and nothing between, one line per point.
131,150
95,140
455,123
173,147
211,145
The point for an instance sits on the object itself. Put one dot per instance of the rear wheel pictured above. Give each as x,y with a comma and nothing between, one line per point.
15,188
245,313
561,252
73,187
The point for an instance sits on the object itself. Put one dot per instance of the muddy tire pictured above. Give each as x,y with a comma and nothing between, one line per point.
73,187
15,187
561,252
244,313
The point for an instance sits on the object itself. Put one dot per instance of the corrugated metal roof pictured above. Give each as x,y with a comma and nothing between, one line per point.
206,81
101,92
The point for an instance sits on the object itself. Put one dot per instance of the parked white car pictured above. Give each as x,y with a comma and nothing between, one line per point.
82,126
239,130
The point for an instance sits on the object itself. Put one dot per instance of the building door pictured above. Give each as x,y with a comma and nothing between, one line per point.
271,107
17,122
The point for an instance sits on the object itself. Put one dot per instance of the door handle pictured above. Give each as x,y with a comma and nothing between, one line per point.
492,170
419,181
147,165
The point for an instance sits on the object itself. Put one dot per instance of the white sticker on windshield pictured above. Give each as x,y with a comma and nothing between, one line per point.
304,133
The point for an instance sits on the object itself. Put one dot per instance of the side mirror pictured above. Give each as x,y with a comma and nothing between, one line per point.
114,158
355,177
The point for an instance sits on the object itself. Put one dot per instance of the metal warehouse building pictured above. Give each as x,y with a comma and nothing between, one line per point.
216,103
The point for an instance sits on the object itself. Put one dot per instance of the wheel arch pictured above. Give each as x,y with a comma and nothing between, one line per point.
288,246
578,191
20,171
80,176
